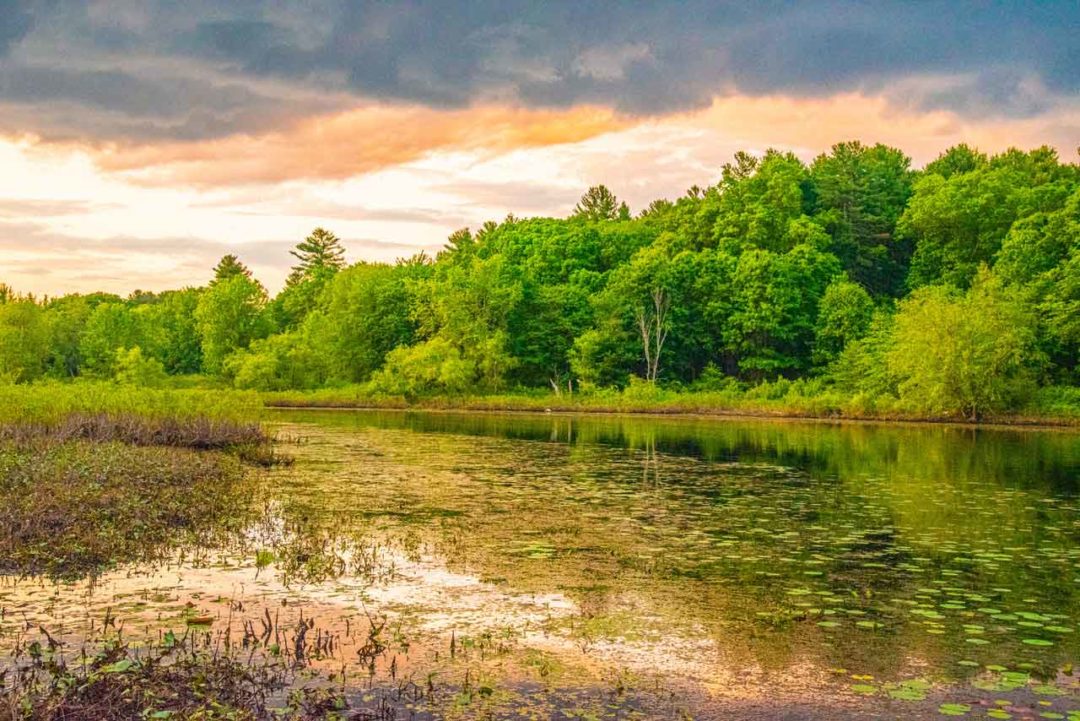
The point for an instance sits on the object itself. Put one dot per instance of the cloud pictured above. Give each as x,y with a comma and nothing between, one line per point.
15,22
40,208
201,70
358,141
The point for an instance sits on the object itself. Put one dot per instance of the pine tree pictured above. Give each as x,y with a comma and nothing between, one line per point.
320,251
598,203
229,267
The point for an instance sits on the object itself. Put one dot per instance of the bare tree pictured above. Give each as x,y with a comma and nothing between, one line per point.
652,324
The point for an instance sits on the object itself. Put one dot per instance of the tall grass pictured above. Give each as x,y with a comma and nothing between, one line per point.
105,412
48,403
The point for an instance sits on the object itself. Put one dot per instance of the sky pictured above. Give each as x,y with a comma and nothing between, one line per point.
140,141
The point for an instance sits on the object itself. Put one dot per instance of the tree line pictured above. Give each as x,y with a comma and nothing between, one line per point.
954,289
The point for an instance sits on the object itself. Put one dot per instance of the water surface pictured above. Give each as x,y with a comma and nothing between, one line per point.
522,566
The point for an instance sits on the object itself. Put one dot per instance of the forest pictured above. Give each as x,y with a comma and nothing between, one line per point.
947,291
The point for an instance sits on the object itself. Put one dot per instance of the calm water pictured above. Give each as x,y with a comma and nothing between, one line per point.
535,566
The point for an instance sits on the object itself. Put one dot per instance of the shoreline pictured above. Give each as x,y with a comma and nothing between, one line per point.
443,405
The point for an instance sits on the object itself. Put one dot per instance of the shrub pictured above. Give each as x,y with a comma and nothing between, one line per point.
134,368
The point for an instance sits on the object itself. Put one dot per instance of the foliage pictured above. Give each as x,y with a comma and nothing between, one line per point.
598,204
230,314
781,270
844,315
972,353
229,267
433,366
322,250
134,368
24,340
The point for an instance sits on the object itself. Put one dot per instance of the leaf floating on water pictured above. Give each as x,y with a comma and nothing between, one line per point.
953,709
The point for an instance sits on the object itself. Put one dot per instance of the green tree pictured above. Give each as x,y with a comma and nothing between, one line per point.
24,339
600,204
366,312
228,268
433,366
957,160
844,315
170,332
775,303
109,327
469,304
1060,311
67,317
959,223
862,366
134,368
758,200
278,362
860,194
230,314
642,290
320,251
320,256
966,354
542,331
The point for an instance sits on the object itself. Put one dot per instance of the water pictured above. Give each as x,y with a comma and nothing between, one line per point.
630,567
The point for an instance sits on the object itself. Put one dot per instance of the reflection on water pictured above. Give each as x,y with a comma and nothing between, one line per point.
854,567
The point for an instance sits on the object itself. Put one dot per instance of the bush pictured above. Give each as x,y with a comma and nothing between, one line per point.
133,368
433,366
968,354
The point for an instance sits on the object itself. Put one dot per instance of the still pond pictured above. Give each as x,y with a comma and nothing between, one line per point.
585,567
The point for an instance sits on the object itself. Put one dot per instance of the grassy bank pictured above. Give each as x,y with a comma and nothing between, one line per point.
781,399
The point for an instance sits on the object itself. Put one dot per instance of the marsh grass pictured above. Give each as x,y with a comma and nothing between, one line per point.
95,474
50,403
248,441
76,508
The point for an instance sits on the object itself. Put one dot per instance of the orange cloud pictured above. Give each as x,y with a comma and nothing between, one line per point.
354,142
379,136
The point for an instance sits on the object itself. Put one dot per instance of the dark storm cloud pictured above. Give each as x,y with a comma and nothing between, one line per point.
196,69
15,22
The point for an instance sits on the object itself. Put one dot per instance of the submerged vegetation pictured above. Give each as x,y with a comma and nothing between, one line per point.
853,285
73,508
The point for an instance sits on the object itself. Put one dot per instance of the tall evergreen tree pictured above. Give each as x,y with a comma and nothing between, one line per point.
320,251
229,267
599,203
